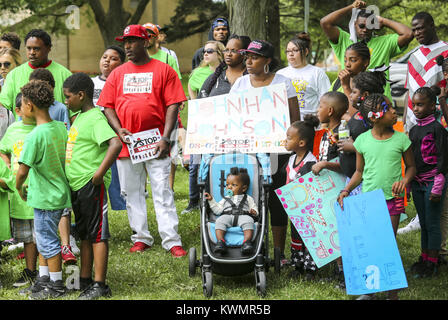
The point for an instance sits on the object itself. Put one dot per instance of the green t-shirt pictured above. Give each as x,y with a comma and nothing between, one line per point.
198,76
382,160
168,59
86,148
8,178
44,152
382,49
12,144
20,75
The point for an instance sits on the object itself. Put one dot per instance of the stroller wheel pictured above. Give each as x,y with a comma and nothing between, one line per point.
207,283
277,260
192,262
260,283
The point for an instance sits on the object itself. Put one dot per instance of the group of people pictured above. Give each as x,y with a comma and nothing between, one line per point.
60,133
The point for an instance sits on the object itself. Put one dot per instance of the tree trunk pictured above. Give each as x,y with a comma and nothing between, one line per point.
273,26
258,19
248,18
113,22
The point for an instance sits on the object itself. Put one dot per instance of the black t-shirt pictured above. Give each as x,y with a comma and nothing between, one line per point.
347,160
328,147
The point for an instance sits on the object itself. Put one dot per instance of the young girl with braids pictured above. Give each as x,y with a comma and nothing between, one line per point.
357,59
379,152
429,144
363,84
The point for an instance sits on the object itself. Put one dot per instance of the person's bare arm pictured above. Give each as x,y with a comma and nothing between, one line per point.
330,21
115,123
405,34
294,110
112,153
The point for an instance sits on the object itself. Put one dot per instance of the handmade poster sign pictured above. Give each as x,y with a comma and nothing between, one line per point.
253,121
309,202
370,255
143,144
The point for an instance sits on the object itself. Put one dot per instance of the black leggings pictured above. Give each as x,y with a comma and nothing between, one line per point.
279,218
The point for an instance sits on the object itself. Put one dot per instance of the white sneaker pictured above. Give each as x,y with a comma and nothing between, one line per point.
413,225
15,246
73,245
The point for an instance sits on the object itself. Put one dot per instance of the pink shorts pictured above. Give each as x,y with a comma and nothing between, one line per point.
395,206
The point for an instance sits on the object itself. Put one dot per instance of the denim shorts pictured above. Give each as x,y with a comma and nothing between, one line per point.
46,224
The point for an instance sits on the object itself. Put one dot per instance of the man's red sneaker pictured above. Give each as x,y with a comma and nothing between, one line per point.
67,255
139,247
178,251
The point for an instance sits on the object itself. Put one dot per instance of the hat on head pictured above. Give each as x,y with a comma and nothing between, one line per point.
260,47
133,30
220,22
153,28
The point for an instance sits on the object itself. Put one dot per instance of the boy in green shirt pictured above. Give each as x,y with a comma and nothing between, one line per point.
92,148
22,216
48,192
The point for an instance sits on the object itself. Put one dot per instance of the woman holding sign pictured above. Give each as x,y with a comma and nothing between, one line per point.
260,63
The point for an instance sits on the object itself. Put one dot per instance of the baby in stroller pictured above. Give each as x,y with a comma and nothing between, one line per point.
235,209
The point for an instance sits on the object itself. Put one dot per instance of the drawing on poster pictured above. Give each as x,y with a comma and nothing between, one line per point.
309,203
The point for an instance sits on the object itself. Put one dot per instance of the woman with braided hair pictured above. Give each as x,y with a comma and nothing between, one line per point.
228,70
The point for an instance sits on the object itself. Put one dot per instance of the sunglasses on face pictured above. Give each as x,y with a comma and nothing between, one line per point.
5,65
209,51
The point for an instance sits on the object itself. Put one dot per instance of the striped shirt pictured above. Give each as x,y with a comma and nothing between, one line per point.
423,71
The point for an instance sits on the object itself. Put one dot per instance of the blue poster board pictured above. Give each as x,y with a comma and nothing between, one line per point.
370,255
309,202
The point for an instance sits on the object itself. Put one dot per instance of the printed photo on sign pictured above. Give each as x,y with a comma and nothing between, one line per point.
143,145
137,83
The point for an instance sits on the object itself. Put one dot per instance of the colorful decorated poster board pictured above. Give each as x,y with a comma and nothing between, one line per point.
370,255
252,121
309,202
143,145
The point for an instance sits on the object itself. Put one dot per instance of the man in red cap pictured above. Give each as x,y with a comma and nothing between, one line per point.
140,95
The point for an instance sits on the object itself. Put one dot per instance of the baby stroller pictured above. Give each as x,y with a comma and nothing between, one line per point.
212,179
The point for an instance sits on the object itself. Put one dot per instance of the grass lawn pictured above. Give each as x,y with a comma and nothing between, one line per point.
155,275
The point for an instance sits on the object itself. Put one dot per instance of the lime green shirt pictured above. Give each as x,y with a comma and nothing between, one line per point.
44,152
20,75
382,161
8,178
198,76
382,50
168,59
12,144
86,148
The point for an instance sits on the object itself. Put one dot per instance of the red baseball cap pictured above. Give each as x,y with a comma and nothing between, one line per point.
134,30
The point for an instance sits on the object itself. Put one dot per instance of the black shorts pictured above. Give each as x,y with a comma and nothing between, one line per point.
90,208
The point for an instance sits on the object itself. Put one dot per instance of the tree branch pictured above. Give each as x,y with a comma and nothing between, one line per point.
139,11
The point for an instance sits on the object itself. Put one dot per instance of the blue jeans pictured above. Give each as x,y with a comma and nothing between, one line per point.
116,200
46,224
429,213
195,161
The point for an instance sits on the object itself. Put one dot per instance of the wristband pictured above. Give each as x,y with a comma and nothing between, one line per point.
348,192
166,140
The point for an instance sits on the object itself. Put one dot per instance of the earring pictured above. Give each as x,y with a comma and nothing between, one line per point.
266,66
